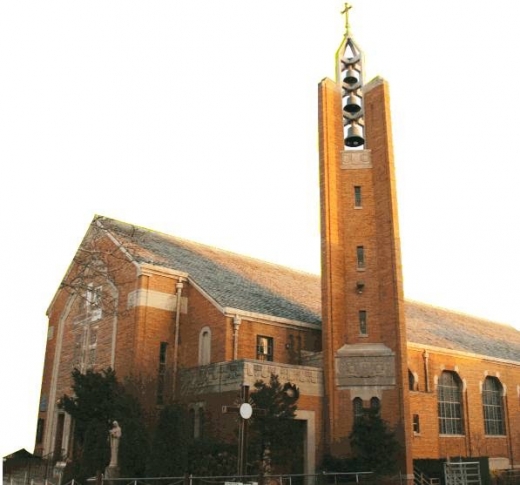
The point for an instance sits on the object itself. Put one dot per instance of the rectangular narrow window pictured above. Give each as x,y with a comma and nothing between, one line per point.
192,422
39,430
161,375
412,383
58,440
363,322
416,425
358,407
264,348
200,430
360,254
357,196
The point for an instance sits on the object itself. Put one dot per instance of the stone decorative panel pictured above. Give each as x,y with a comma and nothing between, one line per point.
229,376
308,379
365,365
355,159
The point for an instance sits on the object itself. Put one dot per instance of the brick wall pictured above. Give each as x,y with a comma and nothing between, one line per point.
129,335
472,370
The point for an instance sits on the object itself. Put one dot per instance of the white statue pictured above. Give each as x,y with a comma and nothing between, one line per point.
114,436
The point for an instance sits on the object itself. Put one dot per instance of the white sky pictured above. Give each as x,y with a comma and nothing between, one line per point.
198,118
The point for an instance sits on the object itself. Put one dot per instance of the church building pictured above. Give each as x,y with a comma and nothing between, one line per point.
195,323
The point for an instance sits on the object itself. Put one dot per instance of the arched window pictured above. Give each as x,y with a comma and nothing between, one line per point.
205,346
449,399
375,404
493,407
357,407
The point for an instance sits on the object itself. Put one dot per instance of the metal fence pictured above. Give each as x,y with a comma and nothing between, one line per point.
287,479
365,478
462,473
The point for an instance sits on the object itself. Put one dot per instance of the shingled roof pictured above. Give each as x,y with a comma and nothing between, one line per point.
438,327
232,280
251,285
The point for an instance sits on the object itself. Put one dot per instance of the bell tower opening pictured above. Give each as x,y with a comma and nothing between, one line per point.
349,67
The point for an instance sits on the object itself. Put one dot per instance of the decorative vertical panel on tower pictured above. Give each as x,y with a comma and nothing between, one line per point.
364,335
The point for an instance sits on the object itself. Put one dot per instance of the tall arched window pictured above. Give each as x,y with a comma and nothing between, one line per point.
449,398
205,346
493,407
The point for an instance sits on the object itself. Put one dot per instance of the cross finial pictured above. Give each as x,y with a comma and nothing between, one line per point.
345,11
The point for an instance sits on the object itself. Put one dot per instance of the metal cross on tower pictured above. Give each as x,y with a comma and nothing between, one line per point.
345,11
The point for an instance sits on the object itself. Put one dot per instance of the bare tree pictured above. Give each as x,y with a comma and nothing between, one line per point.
102,264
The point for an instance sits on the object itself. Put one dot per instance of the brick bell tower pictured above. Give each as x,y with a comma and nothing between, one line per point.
364,335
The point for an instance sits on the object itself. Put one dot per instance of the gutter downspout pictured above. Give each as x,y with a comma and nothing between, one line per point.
426,358
467,424
179,287
508,431
236,324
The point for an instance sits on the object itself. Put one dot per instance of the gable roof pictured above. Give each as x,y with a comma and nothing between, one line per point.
252,285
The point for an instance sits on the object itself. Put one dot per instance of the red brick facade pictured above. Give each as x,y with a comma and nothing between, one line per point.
427,364
140,317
